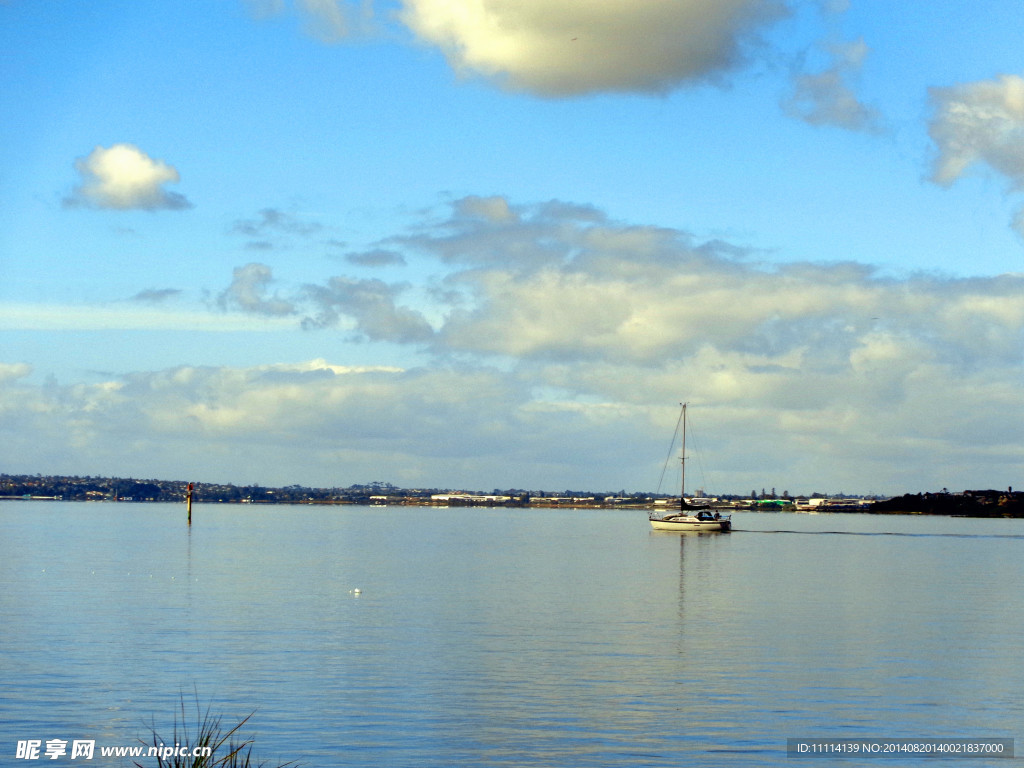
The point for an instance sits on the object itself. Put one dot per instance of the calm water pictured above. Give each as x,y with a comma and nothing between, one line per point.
507,638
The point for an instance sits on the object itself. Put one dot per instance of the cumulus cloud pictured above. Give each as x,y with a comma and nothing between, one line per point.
557,48
123,177
980,125
14,371
892,406
826,97
248,289
565,48
371,304
440,426
561,344
369,307
574,286
491,230
559,281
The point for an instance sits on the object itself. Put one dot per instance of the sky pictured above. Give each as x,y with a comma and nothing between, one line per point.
478,244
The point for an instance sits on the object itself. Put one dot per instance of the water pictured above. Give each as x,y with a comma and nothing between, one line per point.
506,638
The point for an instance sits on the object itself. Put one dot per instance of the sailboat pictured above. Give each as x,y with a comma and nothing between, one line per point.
689,517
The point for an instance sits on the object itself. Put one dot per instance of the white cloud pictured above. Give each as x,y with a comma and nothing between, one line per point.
320,364
897,417
557,48
369,307
124,177
248,292
980,125
443,426
13,371
575,335
556,281
564,48
671,311
807,352
371,304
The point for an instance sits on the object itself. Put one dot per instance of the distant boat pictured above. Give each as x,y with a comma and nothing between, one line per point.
690,517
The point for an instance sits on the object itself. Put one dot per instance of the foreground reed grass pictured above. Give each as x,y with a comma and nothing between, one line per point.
208,745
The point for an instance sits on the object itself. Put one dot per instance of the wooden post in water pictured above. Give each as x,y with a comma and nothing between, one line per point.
188,503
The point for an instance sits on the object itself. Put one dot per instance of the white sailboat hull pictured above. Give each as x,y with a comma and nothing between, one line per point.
689,523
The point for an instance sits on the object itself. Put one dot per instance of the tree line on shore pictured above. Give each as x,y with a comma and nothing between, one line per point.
987,503
74,488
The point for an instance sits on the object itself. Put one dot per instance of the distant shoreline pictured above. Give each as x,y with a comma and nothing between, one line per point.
970,503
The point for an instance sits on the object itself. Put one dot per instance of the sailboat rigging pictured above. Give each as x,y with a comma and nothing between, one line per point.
689,517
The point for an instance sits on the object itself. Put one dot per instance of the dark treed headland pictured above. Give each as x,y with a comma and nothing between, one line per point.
971,503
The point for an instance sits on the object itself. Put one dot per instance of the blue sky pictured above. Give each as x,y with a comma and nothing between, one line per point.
490,244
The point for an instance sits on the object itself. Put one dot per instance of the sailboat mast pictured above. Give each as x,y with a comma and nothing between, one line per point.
682,462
